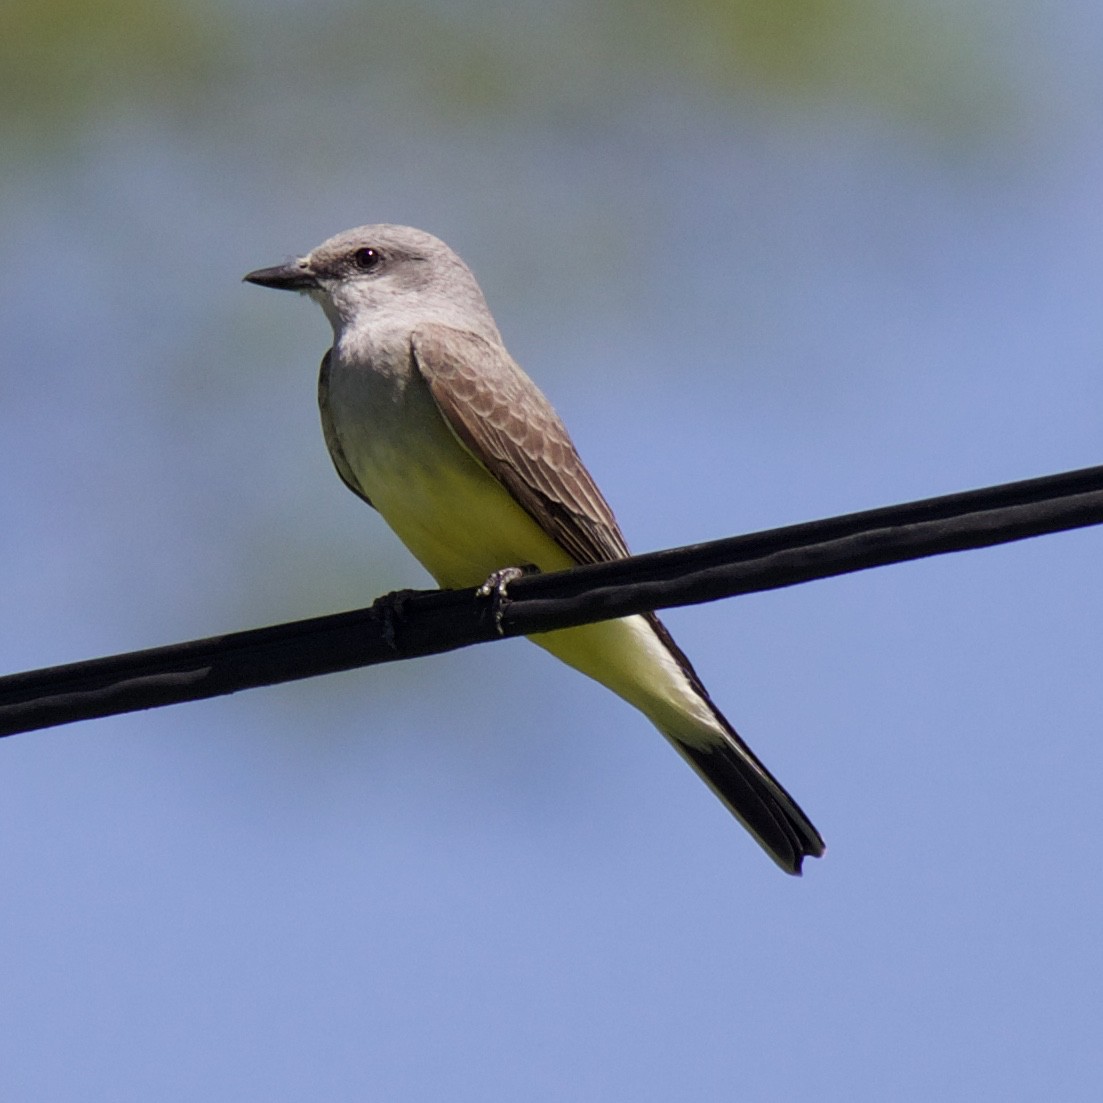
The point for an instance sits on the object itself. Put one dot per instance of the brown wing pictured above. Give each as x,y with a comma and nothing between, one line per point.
336,453
511,429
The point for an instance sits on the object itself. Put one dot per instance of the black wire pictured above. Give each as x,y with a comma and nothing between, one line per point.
429,622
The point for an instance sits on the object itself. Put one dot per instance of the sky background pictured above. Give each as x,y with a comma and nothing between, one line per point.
772,262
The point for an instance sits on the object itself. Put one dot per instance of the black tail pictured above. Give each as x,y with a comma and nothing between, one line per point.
756,800
749,790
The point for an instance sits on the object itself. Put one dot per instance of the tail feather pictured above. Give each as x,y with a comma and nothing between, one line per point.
757,801
738,778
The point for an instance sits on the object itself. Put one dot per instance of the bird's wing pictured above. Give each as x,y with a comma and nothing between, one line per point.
332,443
510,428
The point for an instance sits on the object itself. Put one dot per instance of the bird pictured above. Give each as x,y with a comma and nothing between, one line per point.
430,421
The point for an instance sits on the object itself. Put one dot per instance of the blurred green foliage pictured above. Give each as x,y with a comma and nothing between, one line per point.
63,59
919,59
60,58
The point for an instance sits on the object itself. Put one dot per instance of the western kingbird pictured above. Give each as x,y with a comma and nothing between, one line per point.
430,421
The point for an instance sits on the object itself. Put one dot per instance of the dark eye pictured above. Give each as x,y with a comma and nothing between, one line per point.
366,259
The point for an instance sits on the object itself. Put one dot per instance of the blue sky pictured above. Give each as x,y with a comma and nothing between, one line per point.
480,876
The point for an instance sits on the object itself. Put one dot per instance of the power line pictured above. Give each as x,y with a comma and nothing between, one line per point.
416,623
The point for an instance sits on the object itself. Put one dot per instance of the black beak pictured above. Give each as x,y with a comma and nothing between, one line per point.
293,276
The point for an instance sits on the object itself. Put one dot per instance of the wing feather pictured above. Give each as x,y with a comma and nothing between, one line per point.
511,429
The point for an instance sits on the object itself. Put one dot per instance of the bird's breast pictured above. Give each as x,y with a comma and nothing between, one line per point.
439,499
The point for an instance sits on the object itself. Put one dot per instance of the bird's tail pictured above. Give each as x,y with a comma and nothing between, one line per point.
732,770
755,798
637,659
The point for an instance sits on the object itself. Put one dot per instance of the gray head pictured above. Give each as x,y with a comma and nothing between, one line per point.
383,274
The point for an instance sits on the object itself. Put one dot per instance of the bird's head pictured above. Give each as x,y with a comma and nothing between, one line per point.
374,274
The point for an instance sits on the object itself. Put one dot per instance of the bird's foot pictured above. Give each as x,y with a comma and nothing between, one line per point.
391,608
496,587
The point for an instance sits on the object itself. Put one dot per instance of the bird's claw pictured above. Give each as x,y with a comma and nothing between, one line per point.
390,608
496,588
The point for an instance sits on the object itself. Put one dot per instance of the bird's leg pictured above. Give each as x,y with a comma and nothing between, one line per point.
496,586
391,610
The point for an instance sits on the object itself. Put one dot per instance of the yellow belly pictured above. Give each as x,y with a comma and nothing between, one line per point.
462,525
459,522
